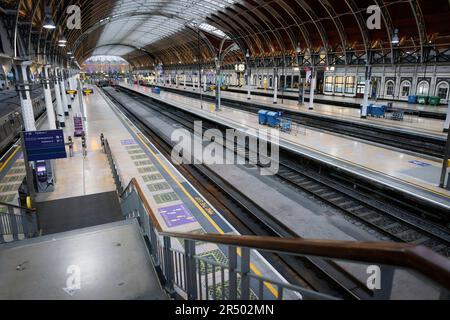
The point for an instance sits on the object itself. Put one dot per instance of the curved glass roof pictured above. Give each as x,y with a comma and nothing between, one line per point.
134,24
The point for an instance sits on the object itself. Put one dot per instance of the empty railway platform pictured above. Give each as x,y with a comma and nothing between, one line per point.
249,153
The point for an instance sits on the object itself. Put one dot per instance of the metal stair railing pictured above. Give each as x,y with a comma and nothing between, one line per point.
17,222
112,163
190,276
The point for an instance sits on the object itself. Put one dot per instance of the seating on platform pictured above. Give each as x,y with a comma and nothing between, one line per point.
78,126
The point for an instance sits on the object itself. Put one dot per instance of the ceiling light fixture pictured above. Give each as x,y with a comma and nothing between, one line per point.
48,21
62,39
395,38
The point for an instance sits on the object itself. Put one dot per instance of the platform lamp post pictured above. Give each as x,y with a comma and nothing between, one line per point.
301,96
218,97
395,42
247,58
199,69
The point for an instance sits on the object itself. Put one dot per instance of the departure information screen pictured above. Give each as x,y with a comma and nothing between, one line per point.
45,145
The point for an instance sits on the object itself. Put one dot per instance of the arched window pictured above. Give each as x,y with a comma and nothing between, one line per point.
423,88
389,88
442,90
405,89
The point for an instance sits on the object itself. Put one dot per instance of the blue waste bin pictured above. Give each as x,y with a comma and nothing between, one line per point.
378,111
156,90
273,118
262,117
412,99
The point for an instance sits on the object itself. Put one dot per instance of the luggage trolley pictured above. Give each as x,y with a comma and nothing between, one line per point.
286,125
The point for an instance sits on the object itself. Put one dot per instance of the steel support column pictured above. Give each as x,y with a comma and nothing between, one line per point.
48,99
275,86
311,89
23,89
366,92
59,105
63,92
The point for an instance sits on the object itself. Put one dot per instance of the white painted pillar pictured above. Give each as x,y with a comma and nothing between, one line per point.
80,98
311,91
249,94
184,81
63,92
366,99
447,119
59,105
69,87
25,99
204,83
275,89
176,79
73,85
48,100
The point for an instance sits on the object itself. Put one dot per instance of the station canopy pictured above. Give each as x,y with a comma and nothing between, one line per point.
137,24
146,32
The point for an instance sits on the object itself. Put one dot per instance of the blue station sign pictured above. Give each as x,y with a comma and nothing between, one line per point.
45,145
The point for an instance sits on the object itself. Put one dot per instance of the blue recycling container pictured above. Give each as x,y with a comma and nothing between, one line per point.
262,117
412,99
378,111
273,118
156,90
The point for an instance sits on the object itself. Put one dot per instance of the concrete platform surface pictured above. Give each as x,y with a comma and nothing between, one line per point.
111,260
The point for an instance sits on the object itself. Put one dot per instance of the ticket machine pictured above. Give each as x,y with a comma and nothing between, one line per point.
41,171
44,176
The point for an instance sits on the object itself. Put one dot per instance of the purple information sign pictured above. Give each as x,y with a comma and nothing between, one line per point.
127,142
176,215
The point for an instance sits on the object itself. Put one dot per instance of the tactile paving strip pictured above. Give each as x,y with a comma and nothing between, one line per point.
143,163
10,179
147,169
136,151
133,147
139,157
166,197
4,188
7,197
159,186
15,171
152,177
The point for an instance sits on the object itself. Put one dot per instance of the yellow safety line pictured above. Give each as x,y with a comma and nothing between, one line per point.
9,159
252,266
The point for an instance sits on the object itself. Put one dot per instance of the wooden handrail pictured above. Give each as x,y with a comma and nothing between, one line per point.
418,258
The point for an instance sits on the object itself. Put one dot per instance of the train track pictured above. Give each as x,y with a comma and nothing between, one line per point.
390,220
249,218
392,223
415,142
